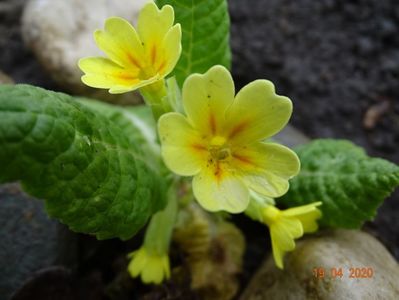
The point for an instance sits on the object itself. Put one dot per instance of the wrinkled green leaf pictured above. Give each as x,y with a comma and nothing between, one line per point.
205,35
137,123
93,177
350,184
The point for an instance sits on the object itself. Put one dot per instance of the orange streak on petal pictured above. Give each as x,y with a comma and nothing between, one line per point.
218,172
126,76
161,67
237,129
198,147
153,54
244,159
212,123
133,60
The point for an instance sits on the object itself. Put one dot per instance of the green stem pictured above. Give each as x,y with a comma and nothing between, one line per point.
159,231
256,206
156,96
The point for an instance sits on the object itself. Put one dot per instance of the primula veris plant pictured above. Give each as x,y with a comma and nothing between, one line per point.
109,171
219,142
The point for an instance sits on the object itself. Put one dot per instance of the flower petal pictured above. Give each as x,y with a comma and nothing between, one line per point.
267,184
141,83
301,210
172,50
153,271
206,98
154,23
266,167
166,266
283,239
183,149
292,227
274,158
278,253
221,191
309,220
102,73
257,113
282,234
138,262
306,214
120,42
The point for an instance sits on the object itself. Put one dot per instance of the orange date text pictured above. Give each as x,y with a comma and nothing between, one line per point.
340,272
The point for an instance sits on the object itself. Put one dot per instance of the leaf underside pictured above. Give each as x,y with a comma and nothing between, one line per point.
93,177
350,184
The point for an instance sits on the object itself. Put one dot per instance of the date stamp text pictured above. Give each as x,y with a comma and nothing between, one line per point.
340,272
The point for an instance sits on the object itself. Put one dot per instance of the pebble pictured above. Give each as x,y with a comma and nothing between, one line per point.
5,79
61,32
30,240
291,137
323,253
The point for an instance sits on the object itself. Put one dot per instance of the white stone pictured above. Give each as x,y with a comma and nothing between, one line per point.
60,32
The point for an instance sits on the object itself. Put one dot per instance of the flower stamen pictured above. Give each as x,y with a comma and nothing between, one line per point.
218,149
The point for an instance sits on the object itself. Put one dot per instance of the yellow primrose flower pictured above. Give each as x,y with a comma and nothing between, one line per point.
219,142
152,267
135,58
287,225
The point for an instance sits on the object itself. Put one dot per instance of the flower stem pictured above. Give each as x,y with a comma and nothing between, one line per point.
156,96
159,231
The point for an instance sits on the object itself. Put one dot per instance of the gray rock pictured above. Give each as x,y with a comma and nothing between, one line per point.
291,137
30,240
333,249
9,7
5,79
60,32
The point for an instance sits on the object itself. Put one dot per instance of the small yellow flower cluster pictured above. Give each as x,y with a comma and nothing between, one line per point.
220,139
135,58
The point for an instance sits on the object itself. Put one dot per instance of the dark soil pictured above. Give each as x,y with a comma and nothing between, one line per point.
337,60
334,59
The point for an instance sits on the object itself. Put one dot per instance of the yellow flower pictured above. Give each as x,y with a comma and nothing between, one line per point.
220,140
287,225
135,58
152,267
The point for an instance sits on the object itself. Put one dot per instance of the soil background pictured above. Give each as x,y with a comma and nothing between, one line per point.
339,63
337,60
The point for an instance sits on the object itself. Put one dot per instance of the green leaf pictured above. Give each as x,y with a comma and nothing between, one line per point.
93,177
350,184
205,35
137,123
